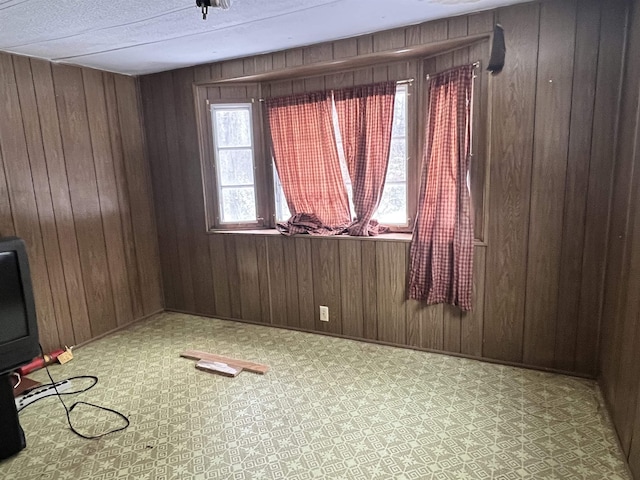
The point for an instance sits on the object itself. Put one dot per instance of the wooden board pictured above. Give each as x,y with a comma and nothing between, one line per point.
249,366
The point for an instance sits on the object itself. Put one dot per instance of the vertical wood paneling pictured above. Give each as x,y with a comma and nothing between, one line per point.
291,282
140,196
472,322
584,82
480,161
60,196
108,194
35,150
176,169
164,206
548,174
130,257
276,278
452,326
233,275
248,278
74,129
6,218
391,273
220,276
620,329
263,279
307,308
326,284
369,290
21,194
351,288
188,144
60,192
513,126
612,38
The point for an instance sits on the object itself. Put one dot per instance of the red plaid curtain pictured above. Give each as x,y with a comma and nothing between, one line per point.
365,116
306,156
441,268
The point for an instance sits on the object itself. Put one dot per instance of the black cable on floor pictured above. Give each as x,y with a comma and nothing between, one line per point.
69,410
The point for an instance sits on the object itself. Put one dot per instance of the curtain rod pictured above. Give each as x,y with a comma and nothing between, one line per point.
475,65
398,82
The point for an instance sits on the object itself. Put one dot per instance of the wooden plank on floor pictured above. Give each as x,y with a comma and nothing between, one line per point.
249,366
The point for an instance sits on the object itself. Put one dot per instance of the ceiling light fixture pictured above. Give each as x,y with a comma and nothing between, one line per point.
205,4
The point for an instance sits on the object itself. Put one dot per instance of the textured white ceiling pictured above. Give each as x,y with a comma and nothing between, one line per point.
138,37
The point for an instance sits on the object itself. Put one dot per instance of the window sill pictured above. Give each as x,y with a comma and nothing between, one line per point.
269,232
383,237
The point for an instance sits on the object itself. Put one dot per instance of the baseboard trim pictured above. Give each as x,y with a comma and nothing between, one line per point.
117,329
389,344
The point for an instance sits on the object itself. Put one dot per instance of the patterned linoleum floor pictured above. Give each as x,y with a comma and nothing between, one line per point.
329,408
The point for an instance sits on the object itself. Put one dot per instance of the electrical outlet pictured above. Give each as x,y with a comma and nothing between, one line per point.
324,313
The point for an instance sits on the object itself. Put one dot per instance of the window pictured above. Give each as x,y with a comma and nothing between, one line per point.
393,209
237,192
236,195
393,205
234,163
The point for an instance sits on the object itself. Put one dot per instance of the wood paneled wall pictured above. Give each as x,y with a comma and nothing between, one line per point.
539,273
620,348
74,184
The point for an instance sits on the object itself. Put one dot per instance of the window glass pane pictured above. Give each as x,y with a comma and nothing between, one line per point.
397,170
400,111
344,169
232,127
282,209
236,167
393,205
238,204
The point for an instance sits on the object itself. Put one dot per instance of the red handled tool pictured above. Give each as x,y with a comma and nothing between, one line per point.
39,362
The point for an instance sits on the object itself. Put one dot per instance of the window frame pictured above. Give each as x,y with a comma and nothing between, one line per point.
206,96
415,68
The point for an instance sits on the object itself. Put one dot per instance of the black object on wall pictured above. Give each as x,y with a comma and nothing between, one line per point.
498,50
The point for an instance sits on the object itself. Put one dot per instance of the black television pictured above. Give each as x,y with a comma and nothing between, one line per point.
18,322
18,336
